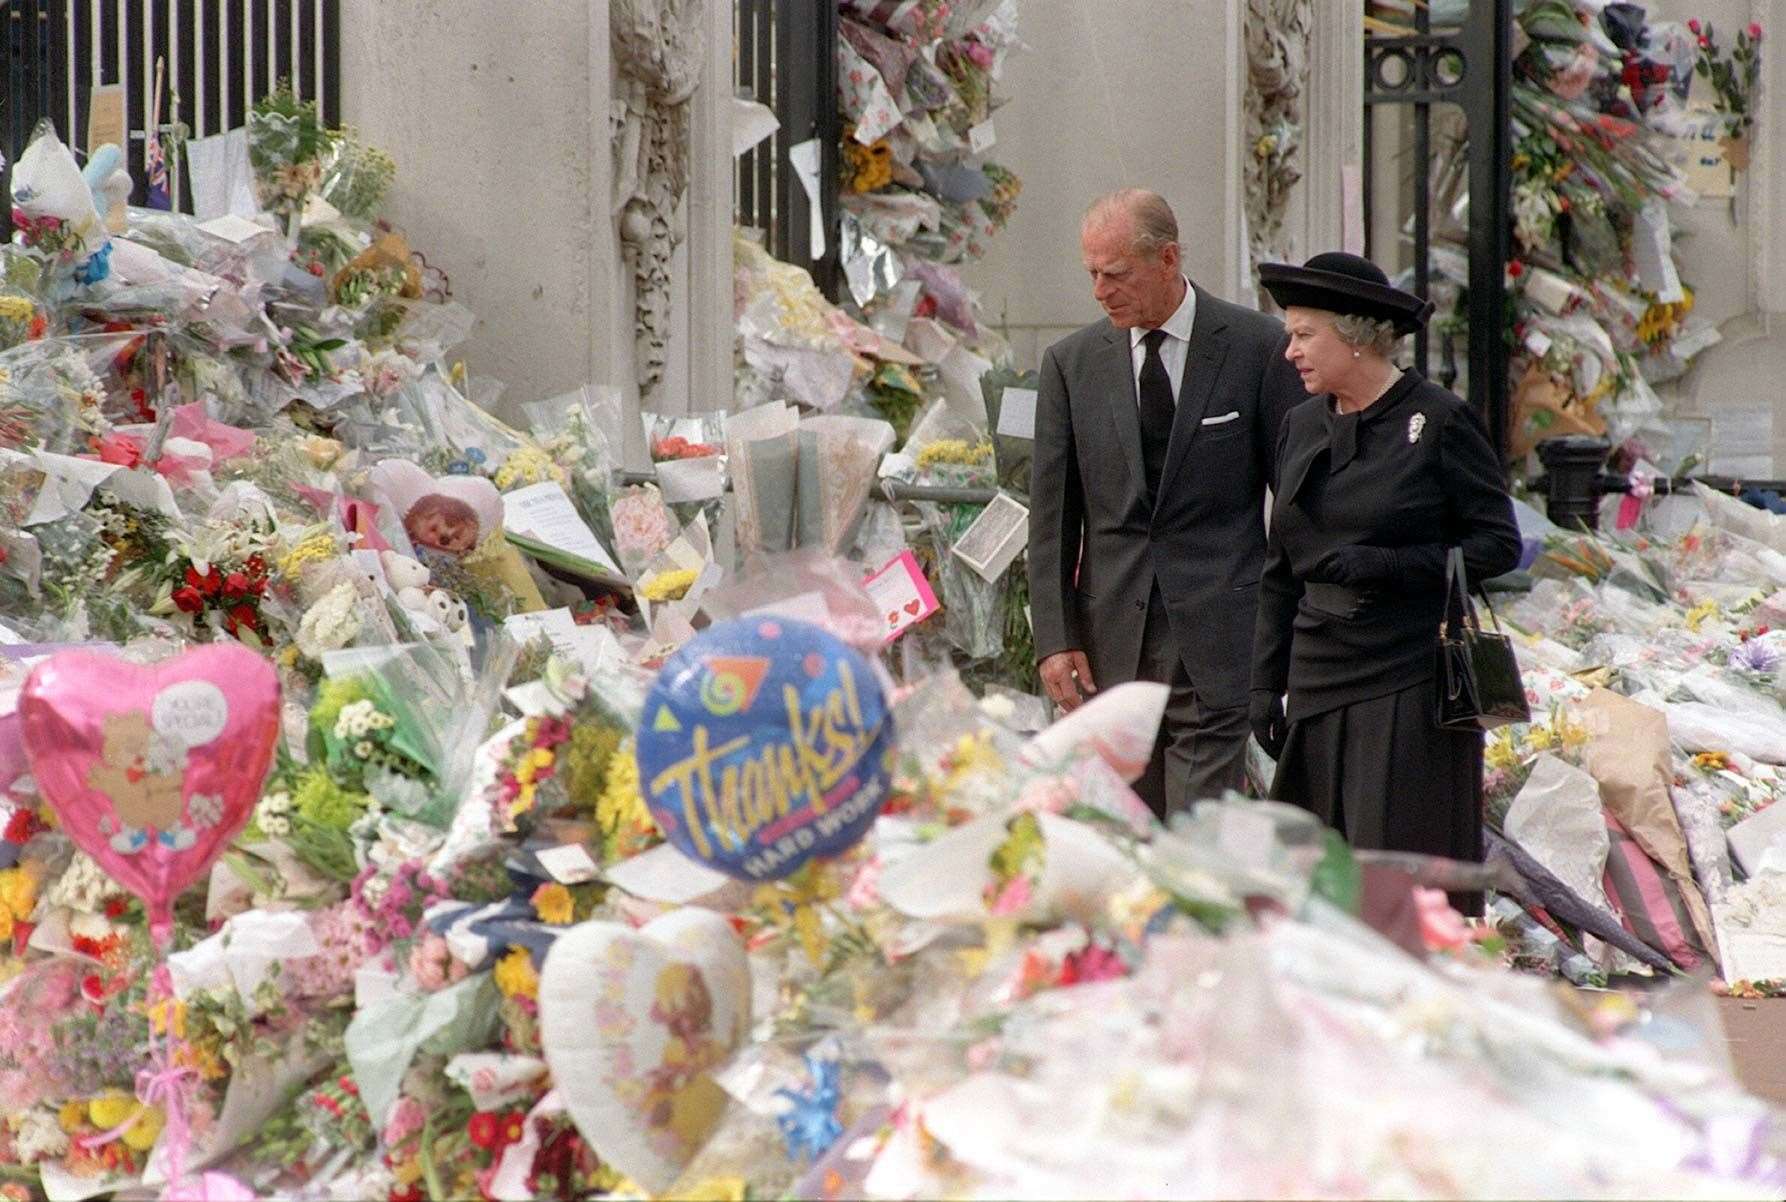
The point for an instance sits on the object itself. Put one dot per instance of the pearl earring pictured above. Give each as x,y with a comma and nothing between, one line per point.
1356,354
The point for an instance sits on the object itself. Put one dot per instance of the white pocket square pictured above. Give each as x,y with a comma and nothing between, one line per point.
1224,418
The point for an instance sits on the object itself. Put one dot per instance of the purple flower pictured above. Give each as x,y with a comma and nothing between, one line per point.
1755,656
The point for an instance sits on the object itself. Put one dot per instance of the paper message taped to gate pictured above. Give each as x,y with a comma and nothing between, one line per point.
995,539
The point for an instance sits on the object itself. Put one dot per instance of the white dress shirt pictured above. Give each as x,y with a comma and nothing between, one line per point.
1174,349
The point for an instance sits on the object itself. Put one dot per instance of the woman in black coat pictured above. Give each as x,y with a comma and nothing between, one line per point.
1379,477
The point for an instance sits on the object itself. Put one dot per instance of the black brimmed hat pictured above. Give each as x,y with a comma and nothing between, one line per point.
1341,283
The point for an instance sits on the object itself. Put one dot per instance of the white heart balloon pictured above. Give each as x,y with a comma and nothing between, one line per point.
634,1023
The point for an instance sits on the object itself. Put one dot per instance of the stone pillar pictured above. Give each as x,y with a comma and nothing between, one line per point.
497,116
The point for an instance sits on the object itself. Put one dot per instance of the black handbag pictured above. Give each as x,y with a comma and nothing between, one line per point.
1478,674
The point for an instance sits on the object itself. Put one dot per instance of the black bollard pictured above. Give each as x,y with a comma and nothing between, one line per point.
1572,465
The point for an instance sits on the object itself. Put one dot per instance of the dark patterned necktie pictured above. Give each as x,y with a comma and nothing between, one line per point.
1156,411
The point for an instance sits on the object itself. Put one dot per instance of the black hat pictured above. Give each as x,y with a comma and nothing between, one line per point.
1343,283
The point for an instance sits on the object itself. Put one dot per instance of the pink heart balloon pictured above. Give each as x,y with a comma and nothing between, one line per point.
152,769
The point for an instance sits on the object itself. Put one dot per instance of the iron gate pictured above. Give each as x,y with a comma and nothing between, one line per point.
220,56
786,59
1470,66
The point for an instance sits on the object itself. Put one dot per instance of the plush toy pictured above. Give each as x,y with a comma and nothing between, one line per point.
446,609
141,776
107,178
408,579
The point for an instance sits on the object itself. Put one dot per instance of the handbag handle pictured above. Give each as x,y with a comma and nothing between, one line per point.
1457,595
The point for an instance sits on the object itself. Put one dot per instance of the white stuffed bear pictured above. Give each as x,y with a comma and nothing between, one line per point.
408,579
447,609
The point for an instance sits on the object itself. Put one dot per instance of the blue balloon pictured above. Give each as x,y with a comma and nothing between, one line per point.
765,742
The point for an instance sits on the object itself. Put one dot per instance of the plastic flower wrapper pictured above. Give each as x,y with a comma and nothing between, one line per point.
807,585
400,723
951,452
643,526
1011,453
676,580
287,146
956,762
53,211
763,446
839,460
358,177
689,455
580,430
460,438
1033,866
61,392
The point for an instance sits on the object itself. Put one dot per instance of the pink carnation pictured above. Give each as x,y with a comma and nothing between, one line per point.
408,1117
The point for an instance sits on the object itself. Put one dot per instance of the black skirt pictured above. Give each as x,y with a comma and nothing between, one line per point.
1383,773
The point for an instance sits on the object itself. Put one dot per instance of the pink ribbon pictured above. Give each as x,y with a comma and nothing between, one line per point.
163,1084
226,442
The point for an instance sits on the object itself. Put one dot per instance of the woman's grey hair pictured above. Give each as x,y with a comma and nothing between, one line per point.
1151,218
1366,333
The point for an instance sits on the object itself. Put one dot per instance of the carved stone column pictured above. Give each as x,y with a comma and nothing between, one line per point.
1277,35
659,60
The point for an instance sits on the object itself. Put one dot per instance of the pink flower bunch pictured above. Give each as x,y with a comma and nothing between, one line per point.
27,1050
408,1117
1093,962
980,54
433,965
348,938
396,907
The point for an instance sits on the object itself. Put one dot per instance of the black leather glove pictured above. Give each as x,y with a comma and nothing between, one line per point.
1357,567
1265,713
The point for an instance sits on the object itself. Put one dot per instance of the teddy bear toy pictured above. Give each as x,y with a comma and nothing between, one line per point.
141,776
409,580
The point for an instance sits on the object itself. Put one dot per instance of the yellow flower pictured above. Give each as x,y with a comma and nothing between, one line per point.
620,810
793,906
158,1018
1500,752
672,585
321,452
18,892
72,1117
314,549
717,1189
554,904
1696,617
1538,738
112,1108
955,451
16,308
528,465
515,975
146,1129
1711,761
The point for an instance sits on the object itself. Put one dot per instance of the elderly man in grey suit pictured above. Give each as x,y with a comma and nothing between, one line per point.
1154,444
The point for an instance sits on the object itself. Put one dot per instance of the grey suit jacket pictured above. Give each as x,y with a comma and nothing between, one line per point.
1096,546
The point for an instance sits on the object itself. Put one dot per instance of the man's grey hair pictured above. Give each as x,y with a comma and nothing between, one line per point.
1151,218
1366,333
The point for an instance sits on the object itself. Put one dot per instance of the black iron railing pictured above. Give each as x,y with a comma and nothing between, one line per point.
786,59
219,57
1470,66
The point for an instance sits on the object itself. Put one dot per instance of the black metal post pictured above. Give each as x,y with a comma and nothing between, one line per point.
1488,42
1423,154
